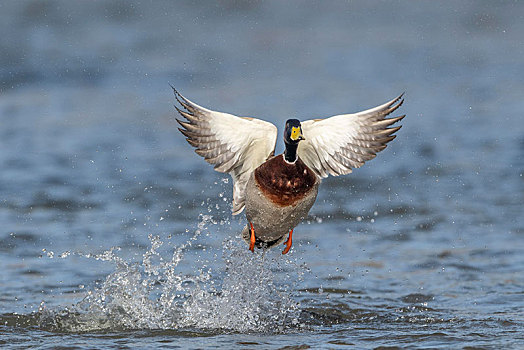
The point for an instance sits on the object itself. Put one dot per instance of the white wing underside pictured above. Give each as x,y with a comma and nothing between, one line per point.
336,145
332,146
234,145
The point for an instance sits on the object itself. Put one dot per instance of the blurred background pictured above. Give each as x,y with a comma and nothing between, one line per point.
91,157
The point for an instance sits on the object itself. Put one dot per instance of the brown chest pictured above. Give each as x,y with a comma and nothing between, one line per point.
282,183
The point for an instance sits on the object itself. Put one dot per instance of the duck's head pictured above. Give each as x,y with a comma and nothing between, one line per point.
293,132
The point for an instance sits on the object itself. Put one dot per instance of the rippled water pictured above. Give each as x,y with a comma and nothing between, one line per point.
115,234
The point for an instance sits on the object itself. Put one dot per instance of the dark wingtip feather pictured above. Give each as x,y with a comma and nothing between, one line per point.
180,122
184,132
394,129
179,111
392,107
188,115
175,92
180,99
398,98
178,96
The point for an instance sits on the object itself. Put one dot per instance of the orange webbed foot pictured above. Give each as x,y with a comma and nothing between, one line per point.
288,243
252,238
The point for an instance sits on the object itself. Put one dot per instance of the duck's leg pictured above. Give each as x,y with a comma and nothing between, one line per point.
288,243
252,238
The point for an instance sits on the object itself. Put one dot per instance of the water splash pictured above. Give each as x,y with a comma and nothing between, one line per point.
247,296
248,299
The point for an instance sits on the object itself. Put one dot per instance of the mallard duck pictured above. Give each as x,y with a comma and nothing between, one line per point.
278,191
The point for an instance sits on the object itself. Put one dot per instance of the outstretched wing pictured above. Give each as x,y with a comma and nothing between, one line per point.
338,144
234,145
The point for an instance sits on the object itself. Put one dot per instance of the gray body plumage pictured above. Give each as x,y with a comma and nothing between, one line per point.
272,222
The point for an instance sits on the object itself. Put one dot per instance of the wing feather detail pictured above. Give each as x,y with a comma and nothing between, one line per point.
234,145
337,145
